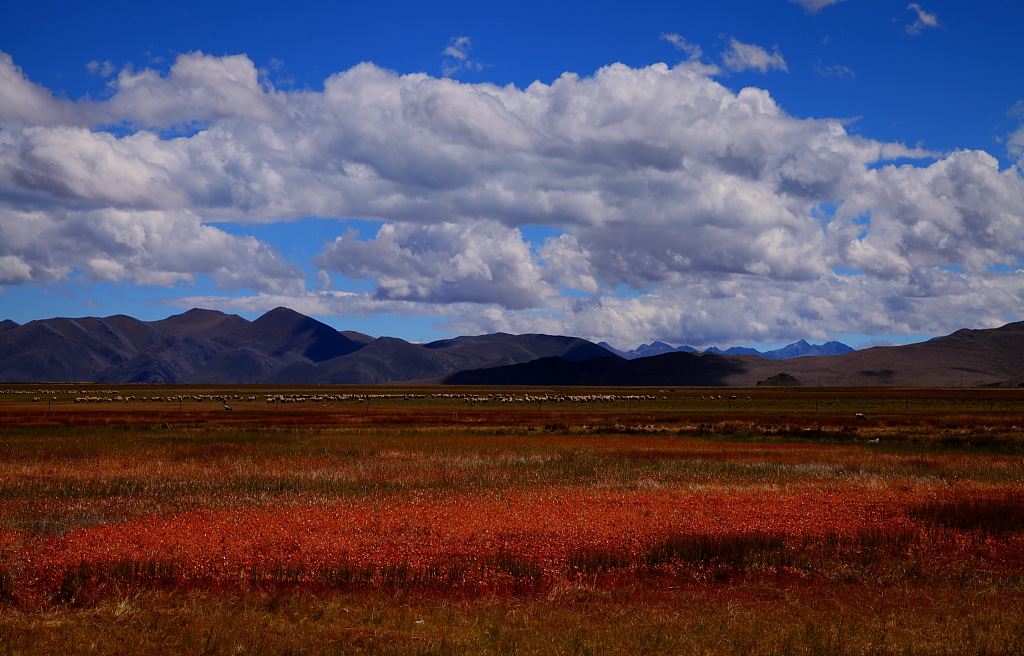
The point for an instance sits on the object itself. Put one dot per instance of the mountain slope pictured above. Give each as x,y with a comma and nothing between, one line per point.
63,349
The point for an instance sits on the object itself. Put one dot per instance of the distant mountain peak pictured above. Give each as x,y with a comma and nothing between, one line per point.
803,349
795,350
281,315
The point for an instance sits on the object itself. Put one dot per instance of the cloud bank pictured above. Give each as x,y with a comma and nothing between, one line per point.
671,207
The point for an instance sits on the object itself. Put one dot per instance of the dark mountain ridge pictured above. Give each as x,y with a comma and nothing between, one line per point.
286,347
280,347
966,358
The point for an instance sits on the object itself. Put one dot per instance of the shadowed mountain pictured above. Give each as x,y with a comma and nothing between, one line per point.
669,369
509,349
390,359
970,358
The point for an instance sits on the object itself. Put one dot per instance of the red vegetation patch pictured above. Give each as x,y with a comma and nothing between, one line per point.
533,534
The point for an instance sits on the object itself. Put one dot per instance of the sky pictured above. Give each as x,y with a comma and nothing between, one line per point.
709,173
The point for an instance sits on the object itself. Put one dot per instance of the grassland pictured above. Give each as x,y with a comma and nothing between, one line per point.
140,520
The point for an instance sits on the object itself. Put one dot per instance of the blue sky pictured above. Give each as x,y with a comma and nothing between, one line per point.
709,173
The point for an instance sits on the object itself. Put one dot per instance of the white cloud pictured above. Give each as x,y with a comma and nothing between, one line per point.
745,56
692,50
959,212
835,70
24,103
924,19
1015,142
814,6
197,88
570,265
1016,146
693,54
14,270
446,263
103,69
457,58
76,164
458,48
160,248
676,208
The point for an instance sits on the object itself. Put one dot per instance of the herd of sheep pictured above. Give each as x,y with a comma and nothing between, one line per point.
114,396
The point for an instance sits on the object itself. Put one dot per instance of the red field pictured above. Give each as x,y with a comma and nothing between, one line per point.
670,521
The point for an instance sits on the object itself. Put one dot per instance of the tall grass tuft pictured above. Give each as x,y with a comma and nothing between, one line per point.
996,514
737,550
6,586
77,585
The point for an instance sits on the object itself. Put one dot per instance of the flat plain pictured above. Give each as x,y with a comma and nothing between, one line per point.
430,520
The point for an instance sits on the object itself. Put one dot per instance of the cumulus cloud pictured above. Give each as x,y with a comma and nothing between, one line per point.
921,218
23,102
720,312
746,56
674,208
159,248
198,88
445,263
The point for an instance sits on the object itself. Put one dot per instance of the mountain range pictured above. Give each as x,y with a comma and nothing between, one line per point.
966,358
283,347
794,350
